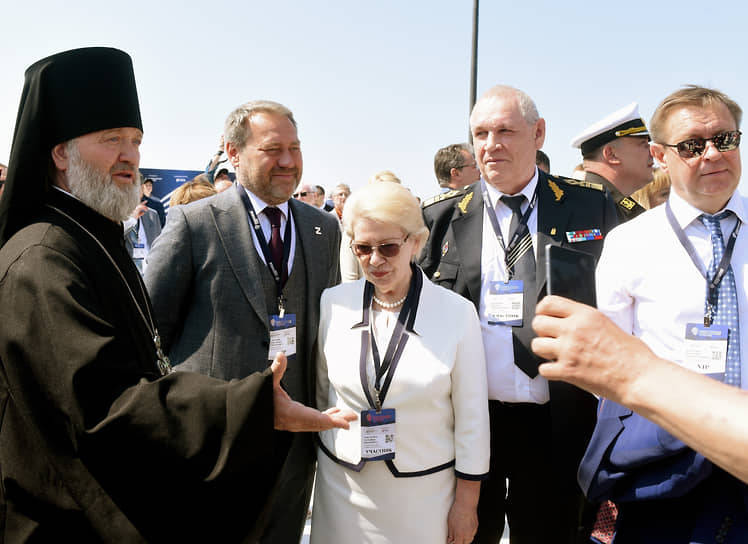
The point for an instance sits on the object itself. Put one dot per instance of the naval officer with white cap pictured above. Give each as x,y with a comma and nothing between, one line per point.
615,153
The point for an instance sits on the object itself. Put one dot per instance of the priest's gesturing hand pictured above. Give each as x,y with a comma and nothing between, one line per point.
291,415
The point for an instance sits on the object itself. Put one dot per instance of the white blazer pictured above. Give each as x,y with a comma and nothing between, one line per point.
439,387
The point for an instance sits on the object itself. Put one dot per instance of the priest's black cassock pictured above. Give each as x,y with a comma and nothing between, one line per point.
98,441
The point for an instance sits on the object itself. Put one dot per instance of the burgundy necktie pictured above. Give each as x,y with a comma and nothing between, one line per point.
605,524
276,243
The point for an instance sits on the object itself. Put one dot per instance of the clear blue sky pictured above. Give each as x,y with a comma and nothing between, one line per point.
383,84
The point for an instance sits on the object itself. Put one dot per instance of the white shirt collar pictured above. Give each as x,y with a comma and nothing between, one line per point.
528,190
685,213
259,205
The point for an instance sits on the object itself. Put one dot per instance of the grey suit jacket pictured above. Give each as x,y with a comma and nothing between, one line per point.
151,226
203,277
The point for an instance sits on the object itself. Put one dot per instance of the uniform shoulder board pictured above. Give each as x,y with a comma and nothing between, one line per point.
443,196
582,183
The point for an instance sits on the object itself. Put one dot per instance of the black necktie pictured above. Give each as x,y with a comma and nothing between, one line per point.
520,265
520,259
276,243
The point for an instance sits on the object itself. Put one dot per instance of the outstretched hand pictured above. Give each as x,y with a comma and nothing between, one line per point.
291,415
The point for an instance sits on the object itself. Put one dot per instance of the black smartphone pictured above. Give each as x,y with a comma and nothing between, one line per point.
570,273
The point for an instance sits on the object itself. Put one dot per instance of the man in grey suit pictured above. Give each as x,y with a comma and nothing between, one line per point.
141,230
238,276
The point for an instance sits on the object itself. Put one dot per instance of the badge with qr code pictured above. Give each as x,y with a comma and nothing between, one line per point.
504,302
706,349
378,434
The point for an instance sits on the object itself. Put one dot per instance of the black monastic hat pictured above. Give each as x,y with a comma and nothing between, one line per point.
64,96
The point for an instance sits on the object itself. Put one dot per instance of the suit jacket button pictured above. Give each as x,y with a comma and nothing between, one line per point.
437,274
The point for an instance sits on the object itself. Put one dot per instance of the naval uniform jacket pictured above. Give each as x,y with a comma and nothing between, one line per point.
95,445
452,259
626,207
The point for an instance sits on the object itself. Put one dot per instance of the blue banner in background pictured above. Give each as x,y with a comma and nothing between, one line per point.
166,181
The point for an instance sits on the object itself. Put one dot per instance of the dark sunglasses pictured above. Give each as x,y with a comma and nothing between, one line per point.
472,165
297,195
391,249
695,147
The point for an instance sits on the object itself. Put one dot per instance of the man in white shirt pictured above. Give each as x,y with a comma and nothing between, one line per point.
482,249
676,278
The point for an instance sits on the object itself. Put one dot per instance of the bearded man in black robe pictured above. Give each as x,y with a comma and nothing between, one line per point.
99,439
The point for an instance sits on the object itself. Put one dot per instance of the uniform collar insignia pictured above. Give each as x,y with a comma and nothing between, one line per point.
465,201
627,203
557,191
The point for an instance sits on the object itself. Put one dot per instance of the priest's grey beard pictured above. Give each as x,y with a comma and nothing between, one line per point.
97,190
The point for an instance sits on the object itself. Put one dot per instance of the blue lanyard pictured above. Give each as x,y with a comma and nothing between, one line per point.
713,282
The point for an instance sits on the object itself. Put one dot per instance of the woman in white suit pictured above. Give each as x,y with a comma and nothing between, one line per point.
407,355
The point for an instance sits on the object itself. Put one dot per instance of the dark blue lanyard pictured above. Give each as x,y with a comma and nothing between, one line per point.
404,327
713,282
491,211
254,222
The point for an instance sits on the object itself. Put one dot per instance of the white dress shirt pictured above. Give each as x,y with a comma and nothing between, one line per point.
650,287
259,206
506,381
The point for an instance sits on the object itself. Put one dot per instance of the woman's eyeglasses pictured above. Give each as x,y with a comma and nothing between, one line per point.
695,147
391,249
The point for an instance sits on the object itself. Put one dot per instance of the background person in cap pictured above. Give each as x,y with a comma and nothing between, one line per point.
141,228
215,160
153,202
222,180
99,441
615,152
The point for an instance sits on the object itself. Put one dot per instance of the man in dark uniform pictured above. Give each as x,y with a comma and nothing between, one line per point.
153,202
99,440
489,248
615,153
